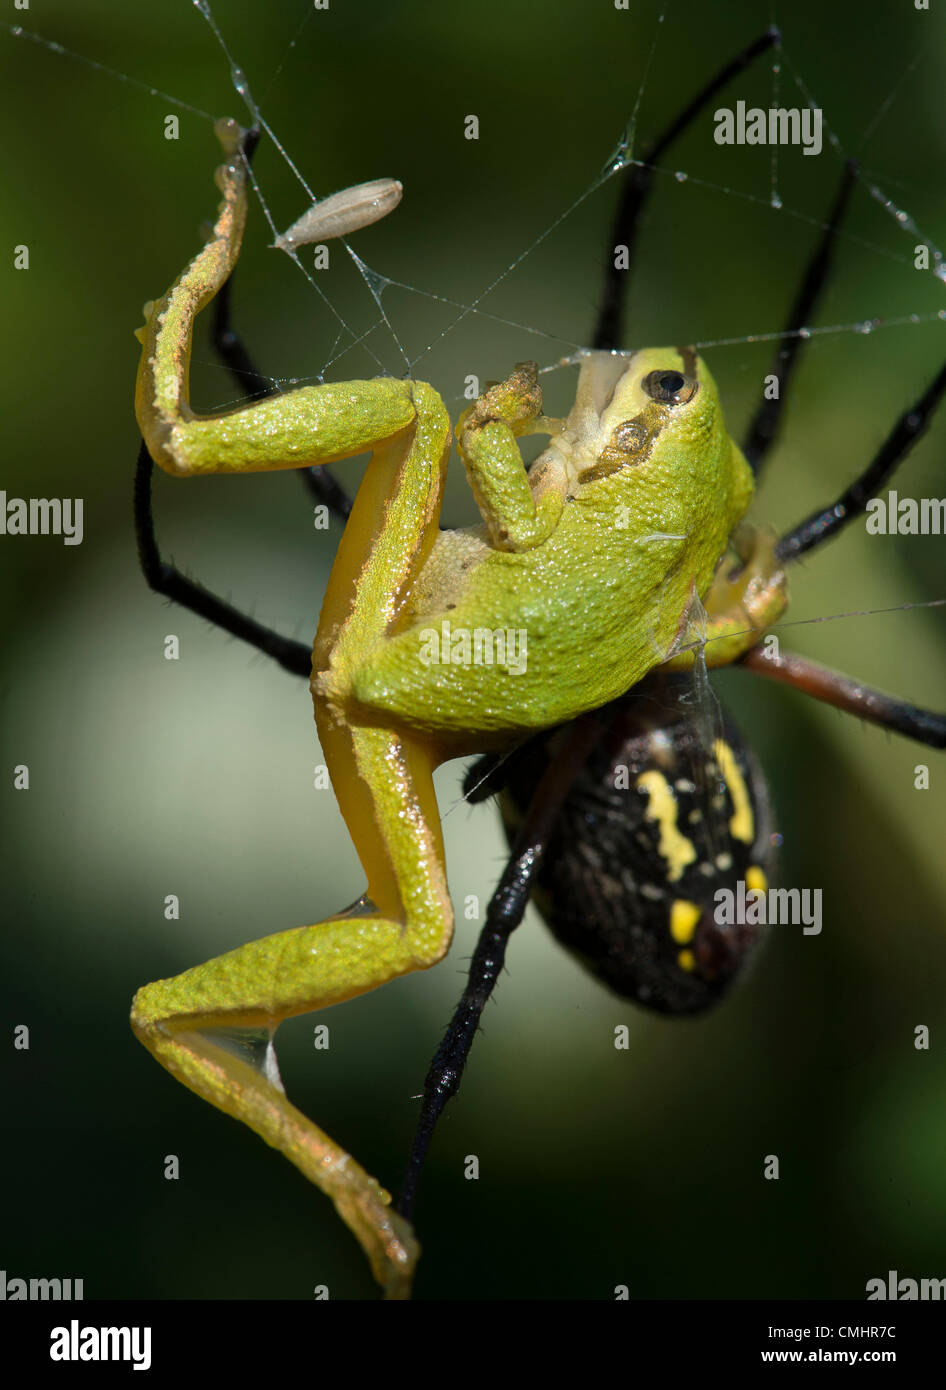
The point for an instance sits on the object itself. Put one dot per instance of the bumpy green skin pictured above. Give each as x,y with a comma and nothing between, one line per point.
604,596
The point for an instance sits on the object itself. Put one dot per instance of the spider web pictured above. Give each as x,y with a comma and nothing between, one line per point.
495,255
786,87
622,157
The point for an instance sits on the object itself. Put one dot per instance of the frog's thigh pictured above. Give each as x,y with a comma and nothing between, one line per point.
384,786
387,538
447,675
383,779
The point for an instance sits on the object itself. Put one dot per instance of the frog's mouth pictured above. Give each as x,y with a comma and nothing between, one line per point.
600,374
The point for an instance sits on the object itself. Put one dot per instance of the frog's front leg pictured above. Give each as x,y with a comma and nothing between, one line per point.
486,438
741,603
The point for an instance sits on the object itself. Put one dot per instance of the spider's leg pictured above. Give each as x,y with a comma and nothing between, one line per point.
635,186
506,909
823,524
231,349
764,426
164,578
925,726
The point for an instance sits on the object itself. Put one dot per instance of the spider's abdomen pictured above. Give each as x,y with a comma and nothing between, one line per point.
656,825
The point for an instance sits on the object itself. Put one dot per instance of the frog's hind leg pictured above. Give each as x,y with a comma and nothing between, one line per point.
383,780
292,972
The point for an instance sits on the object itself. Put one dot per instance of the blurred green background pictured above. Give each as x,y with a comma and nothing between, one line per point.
195,777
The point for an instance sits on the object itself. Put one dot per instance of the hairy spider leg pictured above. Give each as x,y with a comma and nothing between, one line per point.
635,188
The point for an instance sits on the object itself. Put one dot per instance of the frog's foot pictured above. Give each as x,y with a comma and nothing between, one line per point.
487,434
516,402
742,601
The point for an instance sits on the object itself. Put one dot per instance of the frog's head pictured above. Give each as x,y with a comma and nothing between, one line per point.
647,428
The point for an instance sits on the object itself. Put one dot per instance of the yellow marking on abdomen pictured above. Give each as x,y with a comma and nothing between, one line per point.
756,881
686,960
674,847
683,919
742,822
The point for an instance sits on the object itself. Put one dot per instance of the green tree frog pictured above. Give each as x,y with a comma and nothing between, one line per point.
583,575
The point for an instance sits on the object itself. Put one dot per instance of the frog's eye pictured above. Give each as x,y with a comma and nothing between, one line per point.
670,388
